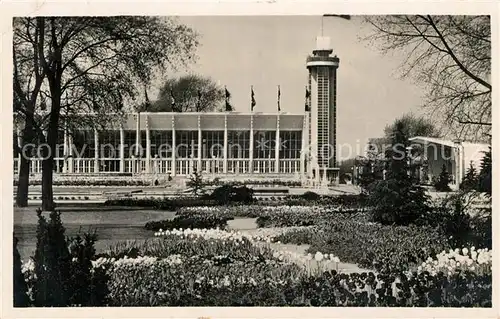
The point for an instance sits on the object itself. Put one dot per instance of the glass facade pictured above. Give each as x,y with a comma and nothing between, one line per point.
238,144
186,144
212,144
161,143
84,143
264,144
323,116
290,144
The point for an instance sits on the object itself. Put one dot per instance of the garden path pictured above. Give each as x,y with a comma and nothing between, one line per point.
249,226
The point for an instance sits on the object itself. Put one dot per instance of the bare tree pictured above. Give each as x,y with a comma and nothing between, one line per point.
189,93
451,57
94,65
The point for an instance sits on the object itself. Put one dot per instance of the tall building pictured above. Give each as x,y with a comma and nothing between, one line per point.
323,108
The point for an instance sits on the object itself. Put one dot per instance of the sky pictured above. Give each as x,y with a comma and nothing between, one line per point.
267,51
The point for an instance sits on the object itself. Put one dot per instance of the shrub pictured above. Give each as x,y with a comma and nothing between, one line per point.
86,197
443,181
87,288
52,263
399,202
191,222
484,178
227,193
20,289
310,196
470,181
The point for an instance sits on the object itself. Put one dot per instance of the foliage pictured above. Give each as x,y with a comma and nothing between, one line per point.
52,263
443,181
189,93
310,196
484,177
189,222
397,199
452,56
20,288
227,193
90,65
196,183
470,181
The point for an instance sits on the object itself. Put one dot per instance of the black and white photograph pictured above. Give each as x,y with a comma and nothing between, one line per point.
250,160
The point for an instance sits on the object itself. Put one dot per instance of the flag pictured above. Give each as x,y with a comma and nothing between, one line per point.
198,102
253,100
147,103
308,96
229,108
279,96
173,101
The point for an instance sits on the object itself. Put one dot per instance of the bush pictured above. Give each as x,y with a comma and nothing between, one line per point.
52,263
189,222
19,285
399,202
227,193
443,181
310,196
86,288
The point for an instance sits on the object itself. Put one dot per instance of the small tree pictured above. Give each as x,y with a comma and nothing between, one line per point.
20,297
52,263
196,183
470,181
484,178
397,200
442,184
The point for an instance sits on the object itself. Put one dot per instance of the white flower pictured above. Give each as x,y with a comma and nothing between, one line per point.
318,256
465,251
336,259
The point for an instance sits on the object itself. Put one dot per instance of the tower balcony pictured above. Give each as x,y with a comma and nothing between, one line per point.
322,61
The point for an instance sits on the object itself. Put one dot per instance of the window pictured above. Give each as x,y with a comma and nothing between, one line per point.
161,143
109,144
238,144
186,144
290,144
212,144
83,144
264,144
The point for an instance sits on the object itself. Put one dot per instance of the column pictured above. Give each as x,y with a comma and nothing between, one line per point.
148,146
199,144
224,167
303,148
277,146
174,148
250,152
96,153
20,145
70,154
122,149
65,148
137,161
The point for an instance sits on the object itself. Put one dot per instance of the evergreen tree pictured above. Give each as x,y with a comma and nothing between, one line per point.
470,181
20,288
444,179
484,178
398,199
52,263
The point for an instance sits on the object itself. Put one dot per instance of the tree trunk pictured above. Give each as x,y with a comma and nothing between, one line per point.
24,166
49,152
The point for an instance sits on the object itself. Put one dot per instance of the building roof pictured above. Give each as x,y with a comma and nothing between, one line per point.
435,140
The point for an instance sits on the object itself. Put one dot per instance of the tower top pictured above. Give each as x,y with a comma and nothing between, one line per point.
323,43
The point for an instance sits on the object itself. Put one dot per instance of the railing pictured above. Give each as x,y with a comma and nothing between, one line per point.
289,166
183,167
238,166
263,166
212,166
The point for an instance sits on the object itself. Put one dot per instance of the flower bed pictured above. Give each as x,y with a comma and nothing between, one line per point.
185,222
371,245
